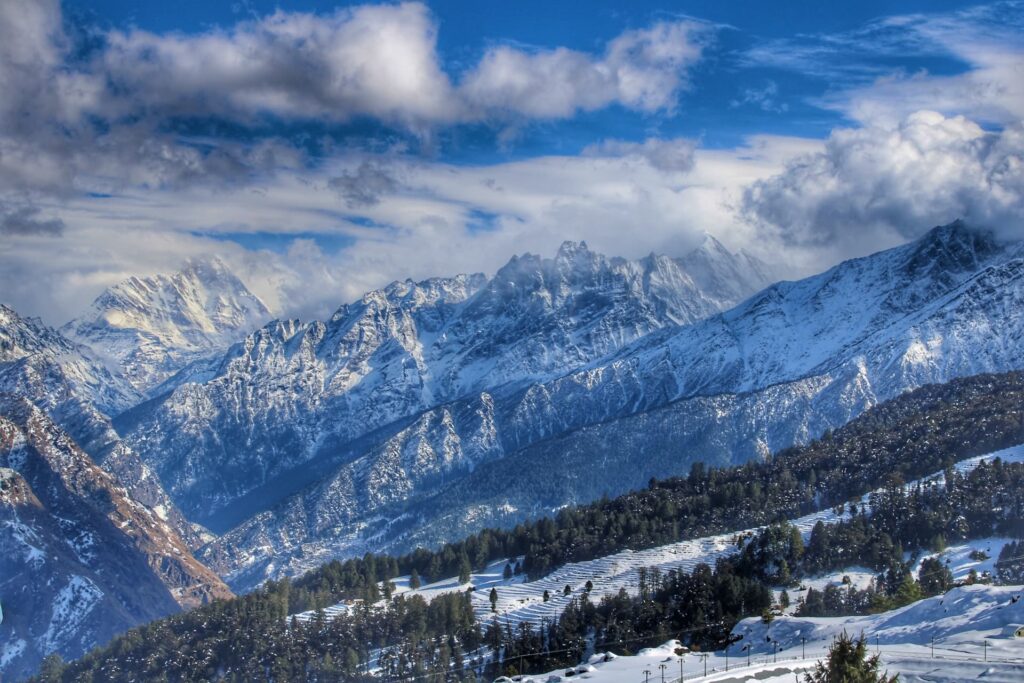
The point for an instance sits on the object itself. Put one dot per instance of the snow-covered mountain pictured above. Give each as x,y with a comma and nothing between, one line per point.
32,355
782,367
81,559
151,327
327,392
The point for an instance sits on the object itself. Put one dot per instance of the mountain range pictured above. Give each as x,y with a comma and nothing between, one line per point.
426,410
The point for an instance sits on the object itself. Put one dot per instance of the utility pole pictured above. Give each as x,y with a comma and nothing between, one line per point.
662,667
775,652
803,647
704,656
933,647
876,643
727,656
681,675
985,643
647,676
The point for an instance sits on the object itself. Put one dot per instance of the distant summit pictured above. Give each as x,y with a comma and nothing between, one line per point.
151,327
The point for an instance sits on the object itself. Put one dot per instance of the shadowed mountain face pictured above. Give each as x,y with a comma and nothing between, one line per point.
82,561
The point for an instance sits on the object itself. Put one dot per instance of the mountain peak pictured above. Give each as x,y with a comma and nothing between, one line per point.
571,249
206,268
153,326
572,252
954,247
710,244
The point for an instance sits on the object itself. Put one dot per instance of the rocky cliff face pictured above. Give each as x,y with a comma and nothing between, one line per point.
78,391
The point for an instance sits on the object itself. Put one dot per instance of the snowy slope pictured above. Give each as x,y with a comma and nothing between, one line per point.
36,360
79,392
152,327
961,622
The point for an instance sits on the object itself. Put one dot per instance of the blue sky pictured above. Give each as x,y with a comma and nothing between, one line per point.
323,149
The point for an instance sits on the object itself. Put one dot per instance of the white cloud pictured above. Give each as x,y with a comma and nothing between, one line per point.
645,70
622,204
878,185
376,61
985,40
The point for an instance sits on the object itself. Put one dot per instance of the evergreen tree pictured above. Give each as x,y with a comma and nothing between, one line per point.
934,577
414,580
494,599
848,663
507,574
50,670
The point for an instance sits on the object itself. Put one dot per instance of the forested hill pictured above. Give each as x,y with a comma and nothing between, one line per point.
921,432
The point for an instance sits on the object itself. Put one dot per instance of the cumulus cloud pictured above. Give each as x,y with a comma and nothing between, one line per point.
375,61
363,186
676,155
642,69
879,184
96,118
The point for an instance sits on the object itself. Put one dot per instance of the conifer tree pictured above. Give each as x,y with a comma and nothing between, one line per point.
848,663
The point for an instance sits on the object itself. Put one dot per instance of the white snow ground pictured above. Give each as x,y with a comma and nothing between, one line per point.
960,621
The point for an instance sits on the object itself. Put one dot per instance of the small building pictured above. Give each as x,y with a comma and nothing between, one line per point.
1014,631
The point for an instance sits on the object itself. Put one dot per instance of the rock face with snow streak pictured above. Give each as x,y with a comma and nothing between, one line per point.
152,327
293,401
82,561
